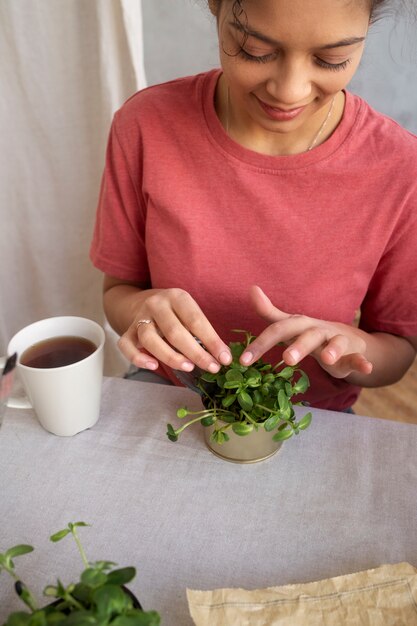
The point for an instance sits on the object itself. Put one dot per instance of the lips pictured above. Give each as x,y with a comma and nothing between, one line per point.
280,115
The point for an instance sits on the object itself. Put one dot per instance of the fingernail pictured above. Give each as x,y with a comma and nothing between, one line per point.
294,355
225,357
246,358
187,366
332,354
151,365
213,368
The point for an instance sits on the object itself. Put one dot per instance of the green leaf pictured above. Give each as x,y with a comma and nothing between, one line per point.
208,421
234,375
208,377
232,385
218,436
229,418
302,384
245,400
228,400
283,402
79,618
18,618
278,384
257,396
253,377
220,380
59,535
121,576
237,349
18,550
50,591
242,429
25,594
271,422
281,435
305,421
286,373
148,618
265,390
93,577
288,389
103,565
171,434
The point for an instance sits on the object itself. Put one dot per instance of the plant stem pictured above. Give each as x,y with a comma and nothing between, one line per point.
196,419
79,546
71,600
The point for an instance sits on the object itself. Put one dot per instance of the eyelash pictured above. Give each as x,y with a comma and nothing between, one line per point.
335,67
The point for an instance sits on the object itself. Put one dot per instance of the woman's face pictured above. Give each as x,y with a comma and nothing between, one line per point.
284,60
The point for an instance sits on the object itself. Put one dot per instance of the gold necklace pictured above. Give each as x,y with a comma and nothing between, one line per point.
322,127
316,136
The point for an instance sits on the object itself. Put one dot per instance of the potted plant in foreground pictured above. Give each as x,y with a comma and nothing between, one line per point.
253,401
99,598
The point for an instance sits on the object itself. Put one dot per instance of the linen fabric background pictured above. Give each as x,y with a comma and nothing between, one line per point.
65,67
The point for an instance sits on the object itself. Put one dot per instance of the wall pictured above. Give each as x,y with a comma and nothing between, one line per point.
180,39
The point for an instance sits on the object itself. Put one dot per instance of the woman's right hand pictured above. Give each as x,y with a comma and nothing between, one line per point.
164,329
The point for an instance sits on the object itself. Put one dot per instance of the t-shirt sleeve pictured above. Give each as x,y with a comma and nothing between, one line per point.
391,301
118,244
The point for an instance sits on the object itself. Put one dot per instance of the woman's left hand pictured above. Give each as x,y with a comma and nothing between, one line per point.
337,347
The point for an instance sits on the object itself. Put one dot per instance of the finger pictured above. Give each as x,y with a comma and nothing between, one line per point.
350,363
156,343
127,344
263,305
281,331
194,320
181,320
335,348
308,343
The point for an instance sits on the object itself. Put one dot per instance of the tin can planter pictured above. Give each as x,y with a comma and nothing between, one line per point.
252,448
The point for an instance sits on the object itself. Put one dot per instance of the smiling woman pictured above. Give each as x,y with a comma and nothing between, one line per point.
266,172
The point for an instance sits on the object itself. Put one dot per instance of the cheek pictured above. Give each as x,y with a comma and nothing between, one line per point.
244,76
333,81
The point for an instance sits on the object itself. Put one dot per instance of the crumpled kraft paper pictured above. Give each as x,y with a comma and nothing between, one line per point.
385,596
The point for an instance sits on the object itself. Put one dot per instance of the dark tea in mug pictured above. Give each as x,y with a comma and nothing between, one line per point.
57,352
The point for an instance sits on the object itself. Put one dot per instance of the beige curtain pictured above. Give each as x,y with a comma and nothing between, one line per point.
65,67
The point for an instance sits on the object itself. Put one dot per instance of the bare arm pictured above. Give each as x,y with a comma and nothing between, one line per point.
176,320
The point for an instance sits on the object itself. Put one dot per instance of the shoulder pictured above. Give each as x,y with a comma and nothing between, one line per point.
166,102
382,136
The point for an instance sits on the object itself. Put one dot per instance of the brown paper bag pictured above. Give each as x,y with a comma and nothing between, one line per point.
385,596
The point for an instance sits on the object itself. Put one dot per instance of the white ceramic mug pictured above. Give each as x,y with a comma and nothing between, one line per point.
65,399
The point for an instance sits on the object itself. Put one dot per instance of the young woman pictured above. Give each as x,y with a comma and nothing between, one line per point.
265,196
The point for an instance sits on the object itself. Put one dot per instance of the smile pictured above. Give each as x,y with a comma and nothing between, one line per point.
280,115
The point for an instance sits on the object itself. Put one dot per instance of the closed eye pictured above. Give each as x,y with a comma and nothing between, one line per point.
257,59
332,66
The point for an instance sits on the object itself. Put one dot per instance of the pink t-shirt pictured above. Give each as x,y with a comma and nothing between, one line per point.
323,233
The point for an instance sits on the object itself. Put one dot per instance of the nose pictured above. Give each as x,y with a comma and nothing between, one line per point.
290,82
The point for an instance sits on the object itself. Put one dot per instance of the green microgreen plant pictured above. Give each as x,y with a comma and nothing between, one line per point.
98,599
245,398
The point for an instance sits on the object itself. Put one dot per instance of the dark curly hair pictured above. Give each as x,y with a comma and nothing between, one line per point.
376,8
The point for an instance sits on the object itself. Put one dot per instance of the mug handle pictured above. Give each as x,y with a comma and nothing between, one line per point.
15,402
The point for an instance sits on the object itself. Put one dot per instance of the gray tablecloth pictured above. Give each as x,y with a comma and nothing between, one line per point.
339,498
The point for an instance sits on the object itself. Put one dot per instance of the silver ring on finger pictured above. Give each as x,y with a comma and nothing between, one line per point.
146,322
140,322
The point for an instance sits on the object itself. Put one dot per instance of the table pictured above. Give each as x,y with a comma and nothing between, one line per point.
339,498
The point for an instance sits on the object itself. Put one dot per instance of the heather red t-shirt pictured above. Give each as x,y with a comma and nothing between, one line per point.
323,233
